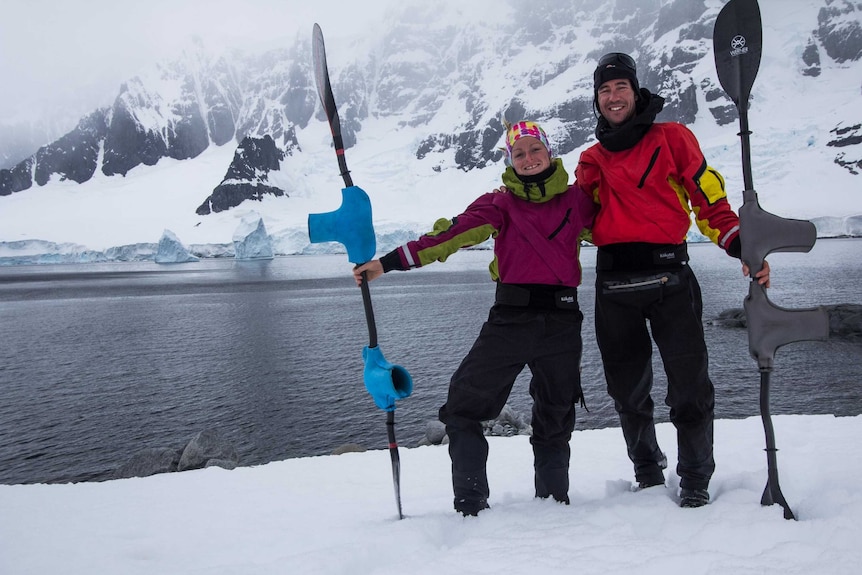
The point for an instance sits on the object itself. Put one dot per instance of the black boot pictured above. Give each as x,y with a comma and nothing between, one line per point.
470,508
651,474
553,483
471,491
693,497
552,473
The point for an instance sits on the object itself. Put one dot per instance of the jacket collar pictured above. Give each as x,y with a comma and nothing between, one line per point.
617,139
540,188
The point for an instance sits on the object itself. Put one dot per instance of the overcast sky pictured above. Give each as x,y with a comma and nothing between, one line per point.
75,53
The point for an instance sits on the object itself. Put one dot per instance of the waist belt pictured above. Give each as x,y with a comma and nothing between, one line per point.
538,296
640,256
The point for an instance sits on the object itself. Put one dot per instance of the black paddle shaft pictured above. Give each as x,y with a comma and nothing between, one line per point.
772,492
396,460
369,311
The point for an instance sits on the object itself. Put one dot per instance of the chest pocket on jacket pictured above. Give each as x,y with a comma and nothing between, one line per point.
652,161
562,225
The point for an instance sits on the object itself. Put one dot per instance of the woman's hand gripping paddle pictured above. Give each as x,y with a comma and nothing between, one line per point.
352,226
737,43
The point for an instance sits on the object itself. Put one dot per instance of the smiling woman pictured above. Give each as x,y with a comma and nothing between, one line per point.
529,151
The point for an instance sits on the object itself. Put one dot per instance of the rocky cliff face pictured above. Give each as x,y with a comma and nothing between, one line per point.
839,30
422,66
247,176
191,104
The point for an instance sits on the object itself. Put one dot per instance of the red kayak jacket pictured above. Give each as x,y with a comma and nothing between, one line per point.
647,193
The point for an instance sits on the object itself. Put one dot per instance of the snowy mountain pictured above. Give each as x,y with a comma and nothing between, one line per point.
203,140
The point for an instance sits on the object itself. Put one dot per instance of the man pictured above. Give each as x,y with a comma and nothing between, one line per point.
648,178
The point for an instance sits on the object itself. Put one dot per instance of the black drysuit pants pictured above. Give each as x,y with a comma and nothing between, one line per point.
625,301
549,342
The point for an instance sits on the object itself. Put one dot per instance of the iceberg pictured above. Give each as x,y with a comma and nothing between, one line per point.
250,240
172,251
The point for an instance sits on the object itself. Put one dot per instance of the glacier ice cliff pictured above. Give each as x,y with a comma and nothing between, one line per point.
834,227
26,252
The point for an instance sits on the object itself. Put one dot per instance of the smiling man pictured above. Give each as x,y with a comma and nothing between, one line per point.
648,178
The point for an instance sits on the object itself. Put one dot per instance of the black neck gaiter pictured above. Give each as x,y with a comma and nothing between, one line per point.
625,136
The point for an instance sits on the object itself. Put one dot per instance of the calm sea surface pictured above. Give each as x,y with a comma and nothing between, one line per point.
98,361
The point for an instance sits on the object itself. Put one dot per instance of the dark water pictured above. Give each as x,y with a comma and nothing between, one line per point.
99,361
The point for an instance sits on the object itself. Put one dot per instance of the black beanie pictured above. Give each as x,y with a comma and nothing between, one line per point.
615,66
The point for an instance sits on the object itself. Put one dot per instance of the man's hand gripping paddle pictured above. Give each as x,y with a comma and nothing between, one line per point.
738,42
351,225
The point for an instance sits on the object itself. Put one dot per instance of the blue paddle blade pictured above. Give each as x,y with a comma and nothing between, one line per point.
350,225
384,381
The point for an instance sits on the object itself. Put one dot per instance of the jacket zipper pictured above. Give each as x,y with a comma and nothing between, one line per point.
649,167
562,224
662,280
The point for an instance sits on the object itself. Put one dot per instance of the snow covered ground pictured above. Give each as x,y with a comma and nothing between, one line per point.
337,514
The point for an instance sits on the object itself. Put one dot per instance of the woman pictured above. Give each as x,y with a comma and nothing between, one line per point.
535,320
